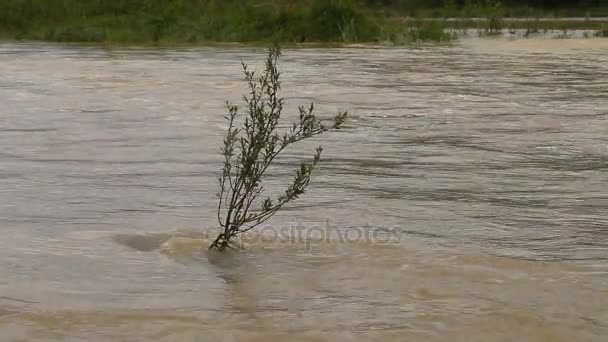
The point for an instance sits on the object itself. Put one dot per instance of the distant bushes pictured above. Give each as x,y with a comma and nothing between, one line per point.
339,21
287,21
191,21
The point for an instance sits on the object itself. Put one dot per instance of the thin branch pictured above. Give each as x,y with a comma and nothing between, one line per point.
250,150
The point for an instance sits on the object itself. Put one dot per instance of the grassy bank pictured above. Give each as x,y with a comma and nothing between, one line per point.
192,21
198,21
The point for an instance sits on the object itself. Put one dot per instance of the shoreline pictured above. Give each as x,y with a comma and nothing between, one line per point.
467,35
409,31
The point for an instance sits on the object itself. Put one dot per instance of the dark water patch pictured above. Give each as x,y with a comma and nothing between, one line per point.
98,111
17,300
6,312
142,242
318,204
11,175
28,130
345,163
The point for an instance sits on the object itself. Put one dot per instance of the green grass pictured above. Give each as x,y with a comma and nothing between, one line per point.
187,21
202,21
170,22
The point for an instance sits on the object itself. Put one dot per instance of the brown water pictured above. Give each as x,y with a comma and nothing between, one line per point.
467,201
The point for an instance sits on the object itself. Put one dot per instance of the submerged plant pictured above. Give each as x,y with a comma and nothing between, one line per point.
252,143
602,32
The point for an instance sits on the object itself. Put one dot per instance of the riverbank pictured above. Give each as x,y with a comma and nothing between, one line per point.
203,22
191,22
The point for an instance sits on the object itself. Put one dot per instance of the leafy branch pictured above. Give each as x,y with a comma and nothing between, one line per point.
250,148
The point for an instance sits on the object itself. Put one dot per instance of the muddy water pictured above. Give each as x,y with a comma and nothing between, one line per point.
468,199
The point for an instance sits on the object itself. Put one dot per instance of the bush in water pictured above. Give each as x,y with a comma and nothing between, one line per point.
252,143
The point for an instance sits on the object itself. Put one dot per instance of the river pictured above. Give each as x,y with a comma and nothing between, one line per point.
467,199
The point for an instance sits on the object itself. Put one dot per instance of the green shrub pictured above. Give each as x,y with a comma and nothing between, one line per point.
429,31
76,34
335,20
251,145
194,20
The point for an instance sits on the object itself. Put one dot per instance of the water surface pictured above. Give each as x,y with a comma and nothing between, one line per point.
466,201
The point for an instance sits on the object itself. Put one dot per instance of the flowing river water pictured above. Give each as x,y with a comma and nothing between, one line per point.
467,200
